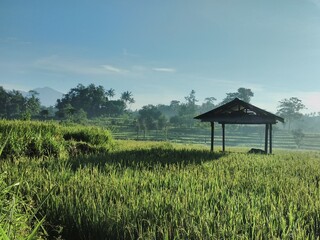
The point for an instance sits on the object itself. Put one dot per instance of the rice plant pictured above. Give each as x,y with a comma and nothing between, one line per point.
16,214
48,139
177,193
160,190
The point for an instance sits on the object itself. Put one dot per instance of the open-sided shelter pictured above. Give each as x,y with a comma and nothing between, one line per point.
240,112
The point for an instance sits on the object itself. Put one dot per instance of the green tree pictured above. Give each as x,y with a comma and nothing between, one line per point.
33,105
208,104
151,117
298,136
110,93
175,104
187,111
162,122
189,108
166,110
16,104
170,110
79,116
66,112
115,108
191,98
91,99
244,94
176,121
4,100
127,97
290,109
44,113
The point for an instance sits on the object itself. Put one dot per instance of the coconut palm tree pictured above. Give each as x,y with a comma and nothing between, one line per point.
110,93
127,97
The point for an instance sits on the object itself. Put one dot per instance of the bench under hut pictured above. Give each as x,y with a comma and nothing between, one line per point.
240,112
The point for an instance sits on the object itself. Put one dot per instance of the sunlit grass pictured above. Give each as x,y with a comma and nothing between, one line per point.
49,139
159,190
151,190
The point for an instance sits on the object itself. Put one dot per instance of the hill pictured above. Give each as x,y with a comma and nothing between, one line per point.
48,96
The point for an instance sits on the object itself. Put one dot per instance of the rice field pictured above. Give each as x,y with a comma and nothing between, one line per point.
249,136
161,190
36,139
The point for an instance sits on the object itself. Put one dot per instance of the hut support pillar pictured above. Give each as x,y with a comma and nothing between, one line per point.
223,138
266,139
212,136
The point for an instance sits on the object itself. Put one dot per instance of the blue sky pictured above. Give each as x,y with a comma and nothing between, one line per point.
161,50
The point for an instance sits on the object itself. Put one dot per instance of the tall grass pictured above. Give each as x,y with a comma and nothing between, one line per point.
89,187
17,215
160,191
40,139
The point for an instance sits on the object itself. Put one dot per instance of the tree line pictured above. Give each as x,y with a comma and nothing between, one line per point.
89,102
92,101
15,105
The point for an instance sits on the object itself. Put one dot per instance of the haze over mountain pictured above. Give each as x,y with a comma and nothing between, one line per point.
48,96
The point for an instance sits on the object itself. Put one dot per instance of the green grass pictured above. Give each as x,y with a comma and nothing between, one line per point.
152,190
97,188
17,215
48,139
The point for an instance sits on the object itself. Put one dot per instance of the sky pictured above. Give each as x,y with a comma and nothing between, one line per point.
161,50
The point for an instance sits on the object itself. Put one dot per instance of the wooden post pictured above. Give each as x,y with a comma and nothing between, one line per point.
270,144
266,139
223,137
212,136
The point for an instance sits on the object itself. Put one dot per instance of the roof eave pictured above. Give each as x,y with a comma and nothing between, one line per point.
264,117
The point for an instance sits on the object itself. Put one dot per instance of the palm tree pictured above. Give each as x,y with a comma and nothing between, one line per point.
110,93
127,97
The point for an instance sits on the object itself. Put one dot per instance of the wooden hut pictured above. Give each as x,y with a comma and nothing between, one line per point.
240,112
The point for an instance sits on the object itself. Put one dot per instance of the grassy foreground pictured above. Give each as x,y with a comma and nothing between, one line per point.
34,139
162,191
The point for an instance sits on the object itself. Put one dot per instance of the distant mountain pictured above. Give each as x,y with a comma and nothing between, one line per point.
48,96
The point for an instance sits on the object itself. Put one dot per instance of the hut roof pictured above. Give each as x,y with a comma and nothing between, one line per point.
239,112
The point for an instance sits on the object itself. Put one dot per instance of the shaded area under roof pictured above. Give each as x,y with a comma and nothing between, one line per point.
239,112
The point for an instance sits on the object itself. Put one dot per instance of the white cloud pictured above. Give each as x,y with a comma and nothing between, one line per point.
113,69
55,63
169,70
139,68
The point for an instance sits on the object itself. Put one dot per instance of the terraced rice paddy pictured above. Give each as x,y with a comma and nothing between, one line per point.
253,138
